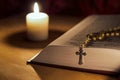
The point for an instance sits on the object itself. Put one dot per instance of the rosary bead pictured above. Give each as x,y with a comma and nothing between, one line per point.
110,29
107,34
115,29
102,34
89,35
89,39
117,34
112,34
94,38
85,42
83,45
100,38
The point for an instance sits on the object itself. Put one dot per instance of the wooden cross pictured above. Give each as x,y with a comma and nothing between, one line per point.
81,53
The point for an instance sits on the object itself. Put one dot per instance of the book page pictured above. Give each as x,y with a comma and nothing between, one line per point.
92,24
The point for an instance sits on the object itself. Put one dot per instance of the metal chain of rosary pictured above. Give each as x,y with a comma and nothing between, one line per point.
112,32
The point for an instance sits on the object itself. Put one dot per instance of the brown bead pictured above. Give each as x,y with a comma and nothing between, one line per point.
110,29
117,34
107,34
83,45
112,34
100,38
94,38
115,29
102,34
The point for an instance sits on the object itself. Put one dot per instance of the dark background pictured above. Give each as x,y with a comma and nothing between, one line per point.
62,7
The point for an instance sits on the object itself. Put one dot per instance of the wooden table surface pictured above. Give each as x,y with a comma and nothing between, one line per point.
15,50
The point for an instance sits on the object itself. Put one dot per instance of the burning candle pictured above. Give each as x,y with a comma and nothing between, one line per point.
37,24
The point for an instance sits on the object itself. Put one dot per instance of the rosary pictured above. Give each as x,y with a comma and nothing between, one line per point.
99,36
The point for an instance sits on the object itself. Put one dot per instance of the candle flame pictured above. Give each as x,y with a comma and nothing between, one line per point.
36,8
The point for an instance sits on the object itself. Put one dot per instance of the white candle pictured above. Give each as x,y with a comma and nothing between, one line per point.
37,24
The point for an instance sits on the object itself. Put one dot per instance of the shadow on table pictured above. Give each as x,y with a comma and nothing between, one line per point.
19,39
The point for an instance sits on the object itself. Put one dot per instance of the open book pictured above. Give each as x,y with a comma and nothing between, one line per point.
100,58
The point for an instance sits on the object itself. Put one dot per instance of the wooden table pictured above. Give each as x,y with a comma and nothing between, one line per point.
15,50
